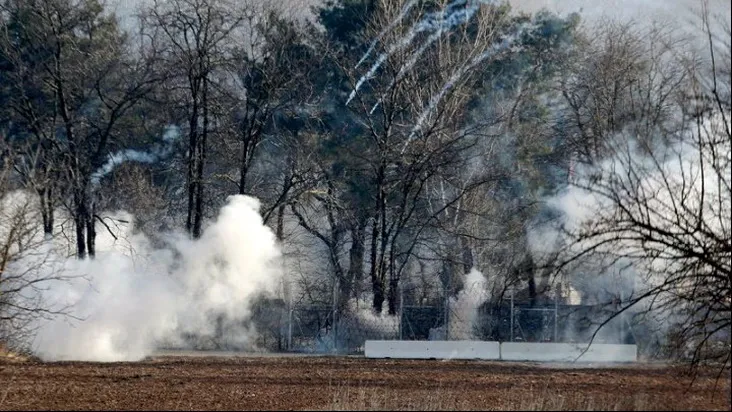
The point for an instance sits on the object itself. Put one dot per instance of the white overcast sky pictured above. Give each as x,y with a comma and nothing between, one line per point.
590,9
639,9
681,13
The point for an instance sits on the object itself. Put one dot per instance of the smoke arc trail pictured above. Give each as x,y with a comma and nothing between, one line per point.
507,43
454,14
131,155
440,21
408,6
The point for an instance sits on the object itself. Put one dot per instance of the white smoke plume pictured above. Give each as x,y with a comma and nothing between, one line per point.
132,297
130,155
464,307
650,211
383,326
661,182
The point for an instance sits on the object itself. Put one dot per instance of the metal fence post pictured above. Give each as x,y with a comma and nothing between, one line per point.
335,314
287,298
289,328
556,315
512,292
401,310
447,314
621,318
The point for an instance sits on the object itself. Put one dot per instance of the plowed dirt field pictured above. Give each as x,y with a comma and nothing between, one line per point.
352,383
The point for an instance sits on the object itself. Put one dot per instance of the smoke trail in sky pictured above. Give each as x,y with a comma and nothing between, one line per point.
409,64
393,24
454,14
131,155
507,43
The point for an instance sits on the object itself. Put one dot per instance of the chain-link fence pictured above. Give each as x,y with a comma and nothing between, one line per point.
313,329
469,315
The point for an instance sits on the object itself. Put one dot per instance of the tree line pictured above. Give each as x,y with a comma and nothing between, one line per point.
387,186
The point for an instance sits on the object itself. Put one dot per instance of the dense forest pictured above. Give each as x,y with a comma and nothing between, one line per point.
393,147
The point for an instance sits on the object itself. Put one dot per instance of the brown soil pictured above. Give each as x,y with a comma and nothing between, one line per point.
296,383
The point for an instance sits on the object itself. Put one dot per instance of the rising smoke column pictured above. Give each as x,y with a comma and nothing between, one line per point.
128,299
464,308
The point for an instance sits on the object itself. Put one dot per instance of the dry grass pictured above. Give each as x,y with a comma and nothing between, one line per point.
361,398
7,355
577,401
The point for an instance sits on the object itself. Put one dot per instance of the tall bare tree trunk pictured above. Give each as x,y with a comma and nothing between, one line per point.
377,269
198,216
192,158
80,238
84,223
45,195
91,233
356,255
280,233
377,283
393,295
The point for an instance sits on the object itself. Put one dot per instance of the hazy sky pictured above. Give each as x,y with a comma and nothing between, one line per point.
679,12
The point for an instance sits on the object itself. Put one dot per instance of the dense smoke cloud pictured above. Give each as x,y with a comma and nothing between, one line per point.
132,297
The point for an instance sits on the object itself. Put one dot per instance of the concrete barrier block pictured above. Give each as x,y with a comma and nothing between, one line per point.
432,349
567,352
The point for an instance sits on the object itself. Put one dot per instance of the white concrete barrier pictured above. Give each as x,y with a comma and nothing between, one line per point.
568,352
507,351
415,349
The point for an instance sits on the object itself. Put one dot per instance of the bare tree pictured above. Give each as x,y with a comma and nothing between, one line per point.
195,40
76,82
661,204
619,76
411,127
274,71
26,260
